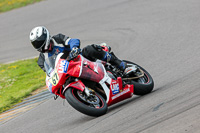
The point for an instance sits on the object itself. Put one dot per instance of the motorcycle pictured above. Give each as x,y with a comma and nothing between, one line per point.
91,87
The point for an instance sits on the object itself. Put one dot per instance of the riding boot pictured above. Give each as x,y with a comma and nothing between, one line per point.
117,62
127,70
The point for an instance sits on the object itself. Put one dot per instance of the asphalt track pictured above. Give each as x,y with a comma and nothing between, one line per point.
163,36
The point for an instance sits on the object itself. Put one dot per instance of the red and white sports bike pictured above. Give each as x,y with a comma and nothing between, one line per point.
90,87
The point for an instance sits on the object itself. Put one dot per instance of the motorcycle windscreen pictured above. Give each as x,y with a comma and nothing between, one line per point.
49,64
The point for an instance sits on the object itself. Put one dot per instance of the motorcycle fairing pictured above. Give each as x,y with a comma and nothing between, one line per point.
57,76
117,93
75,67
63,69
79,67
83,68
91,70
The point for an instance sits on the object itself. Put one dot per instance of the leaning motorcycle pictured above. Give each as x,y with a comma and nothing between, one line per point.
90,87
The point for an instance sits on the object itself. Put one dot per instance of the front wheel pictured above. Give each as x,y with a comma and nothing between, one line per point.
94,105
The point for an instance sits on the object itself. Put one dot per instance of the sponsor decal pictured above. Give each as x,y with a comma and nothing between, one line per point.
115,88
63,66
120,94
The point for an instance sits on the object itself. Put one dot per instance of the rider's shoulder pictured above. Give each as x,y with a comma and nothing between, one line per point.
60,38
59,35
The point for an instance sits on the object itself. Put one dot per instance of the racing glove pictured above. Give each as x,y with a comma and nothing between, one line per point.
74,53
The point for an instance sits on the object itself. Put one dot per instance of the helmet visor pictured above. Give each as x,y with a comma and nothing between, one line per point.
40,41
38,44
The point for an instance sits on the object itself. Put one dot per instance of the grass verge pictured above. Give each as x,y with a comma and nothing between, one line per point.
7,5
18,80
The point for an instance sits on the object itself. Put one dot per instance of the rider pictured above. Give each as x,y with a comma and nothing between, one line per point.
48,46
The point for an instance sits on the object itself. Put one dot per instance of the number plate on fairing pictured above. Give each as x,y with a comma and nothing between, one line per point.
54,79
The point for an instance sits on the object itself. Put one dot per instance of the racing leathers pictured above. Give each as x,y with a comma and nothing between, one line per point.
61,43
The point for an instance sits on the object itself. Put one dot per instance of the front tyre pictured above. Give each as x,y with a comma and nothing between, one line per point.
93,106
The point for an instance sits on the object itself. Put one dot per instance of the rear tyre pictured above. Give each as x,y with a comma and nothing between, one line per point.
143,85
94,106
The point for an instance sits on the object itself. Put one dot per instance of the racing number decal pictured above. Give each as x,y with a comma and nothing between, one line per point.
54,79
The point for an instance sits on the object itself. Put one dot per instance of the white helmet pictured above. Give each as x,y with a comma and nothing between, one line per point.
40,38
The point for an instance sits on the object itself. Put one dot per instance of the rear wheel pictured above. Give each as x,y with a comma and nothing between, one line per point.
94,105
144,84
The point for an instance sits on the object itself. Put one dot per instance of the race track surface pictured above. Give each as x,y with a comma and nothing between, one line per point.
163,36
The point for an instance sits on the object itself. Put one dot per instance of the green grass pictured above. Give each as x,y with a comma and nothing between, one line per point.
7,5
18,80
